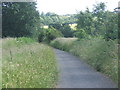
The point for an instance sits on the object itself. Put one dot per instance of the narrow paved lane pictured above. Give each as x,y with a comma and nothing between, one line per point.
73,73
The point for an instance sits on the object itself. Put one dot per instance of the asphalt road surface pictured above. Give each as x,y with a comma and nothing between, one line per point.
74,73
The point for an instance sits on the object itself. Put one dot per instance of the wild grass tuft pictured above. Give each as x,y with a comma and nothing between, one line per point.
27,64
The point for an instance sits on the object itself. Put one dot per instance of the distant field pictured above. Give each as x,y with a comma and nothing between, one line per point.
27,64
73,26
100,54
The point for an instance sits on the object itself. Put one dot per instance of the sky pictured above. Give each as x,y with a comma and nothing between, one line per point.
62,7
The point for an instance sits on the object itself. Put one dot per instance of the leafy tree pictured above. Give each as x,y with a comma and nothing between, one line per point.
19,18
52,18
111,26
66,31
80,33
100,15
85,21
99,22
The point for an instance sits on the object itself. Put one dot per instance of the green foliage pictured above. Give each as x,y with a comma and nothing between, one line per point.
80,33
111,26
101,54
19,19
56,26
99,22
63,43
119,27
66,31
85,21
46,35
52,18
10,42
27,66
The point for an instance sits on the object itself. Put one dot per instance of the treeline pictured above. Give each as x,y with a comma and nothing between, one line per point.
98,22
22,19
52,18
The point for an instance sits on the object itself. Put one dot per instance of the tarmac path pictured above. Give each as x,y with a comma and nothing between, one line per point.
74,73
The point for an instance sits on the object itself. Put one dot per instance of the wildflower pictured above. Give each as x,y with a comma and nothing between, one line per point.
18,64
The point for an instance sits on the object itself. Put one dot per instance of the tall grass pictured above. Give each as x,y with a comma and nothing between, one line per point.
101,54
0,63
63,43
27,64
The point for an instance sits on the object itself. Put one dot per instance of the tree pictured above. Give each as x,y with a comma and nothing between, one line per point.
80,33
19,18
66,31
85,21
99,15
99,22
111,26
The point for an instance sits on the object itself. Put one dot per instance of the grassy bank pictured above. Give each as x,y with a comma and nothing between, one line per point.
100,54
27,64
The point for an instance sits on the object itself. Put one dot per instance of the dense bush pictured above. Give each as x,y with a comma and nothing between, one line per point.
66,31
80,33
101,54
46,35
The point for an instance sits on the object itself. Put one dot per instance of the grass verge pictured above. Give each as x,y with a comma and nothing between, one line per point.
27,64
100,54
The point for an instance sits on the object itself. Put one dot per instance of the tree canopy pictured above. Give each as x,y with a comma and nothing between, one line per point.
19,18
98,22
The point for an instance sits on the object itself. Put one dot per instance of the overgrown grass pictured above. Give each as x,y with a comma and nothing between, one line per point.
27,64
0,63
101,54
63,43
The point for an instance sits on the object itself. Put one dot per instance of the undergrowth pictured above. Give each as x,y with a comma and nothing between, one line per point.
27,64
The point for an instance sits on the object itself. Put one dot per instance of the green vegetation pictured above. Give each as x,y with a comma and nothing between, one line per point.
98,22
46,35
97,52
97,44
27,64
63,43
0,64
67,31
52,18
19,19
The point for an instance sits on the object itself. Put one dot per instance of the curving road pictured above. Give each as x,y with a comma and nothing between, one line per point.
73,73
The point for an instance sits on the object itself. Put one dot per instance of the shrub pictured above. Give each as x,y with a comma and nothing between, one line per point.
80,33
46,35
